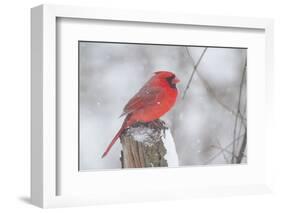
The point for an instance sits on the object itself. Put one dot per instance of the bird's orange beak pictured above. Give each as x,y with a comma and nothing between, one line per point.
175,80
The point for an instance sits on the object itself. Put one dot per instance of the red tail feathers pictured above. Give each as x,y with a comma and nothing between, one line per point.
113,142
127,122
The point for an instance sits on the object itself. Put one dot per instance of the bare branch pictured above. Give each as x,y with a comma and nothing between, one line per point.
223,150
212,92
194,70
238,111
245,126
238,115
217,154
242,149
226,150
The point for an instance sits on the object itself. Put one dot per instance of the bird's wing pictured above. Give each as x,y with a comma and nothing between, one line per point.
146,96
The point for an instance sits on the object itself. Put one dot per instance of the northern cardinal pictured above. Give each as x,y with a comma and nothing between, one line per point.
152,101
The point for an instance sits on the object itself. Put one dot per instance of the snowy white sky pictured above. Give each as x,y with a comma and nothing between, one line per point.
201,123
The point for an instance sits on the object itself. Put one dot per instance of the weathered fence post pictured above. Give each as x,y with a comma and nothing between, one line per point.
143,145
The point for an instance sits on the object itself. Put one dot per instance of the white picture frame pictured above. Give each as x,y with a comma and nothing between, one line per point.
45,169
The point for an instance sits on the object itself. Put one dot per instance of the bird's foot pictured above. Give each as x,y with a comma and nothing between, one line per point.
159,124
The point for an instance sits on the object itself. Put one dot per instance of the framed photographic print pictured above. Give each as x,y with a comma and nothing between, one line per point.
148,106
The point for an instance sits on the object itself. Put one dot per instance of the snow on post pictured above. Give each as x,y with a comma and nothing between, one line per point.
148,145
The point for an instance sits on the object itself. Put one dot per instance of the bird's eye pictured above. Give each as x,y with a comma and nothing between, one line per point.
170,81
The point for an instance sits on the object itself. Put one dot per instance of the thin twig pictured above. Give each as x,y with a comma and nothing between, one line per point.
217,154
194,70
242,149
238,110
226,150
220,147
245,126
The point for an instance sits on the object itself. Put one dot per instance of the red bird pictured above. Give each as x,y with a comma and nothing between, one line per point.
151,102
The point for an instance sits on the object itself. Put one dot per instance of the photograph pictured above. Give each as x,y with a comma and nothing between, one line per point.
161,105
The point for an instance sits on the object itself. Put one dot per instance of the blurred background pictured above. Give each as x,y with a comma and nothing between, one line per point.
208,122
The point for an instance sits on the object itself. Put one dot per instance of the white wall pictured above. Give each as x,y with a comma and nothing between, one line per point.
14,107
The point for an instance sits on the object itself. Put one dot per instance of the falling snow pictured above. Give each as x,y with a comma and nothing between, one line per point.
111,74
